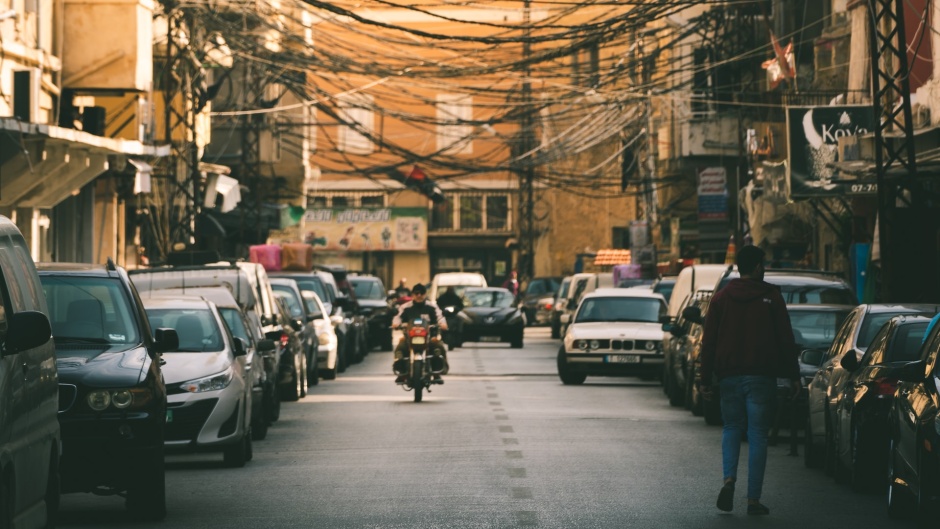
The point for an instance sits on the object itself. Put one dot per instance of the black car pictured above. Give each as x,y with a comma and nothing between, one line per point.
302,322
490,315
680,355
112,397
538,299
859,419
374,306
914,438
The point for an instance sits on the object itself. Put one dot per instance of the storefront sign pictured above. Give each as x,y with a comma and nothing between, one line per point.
814,134
366,229
713,193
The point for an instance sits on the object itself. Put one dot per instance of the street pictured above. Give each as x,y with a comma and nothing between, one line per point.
501,444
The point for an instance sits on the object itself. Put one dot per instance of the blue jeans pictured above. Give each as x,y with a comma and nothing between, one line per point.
747,402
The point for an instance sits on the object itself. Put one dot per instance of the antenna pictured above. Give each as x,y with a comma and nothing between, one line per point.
111,265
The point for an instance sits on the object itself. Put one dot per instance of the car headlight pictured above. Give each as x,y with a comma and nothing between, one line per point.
595,344
582,344
122,399
650,345
210,383
324,338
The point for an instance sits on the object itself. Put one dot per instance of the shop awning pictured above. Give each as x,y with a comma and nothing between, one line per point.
42,165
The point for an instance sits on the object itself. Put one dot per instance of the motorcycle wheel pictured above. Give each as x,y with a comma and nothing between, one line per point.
418,381
419,389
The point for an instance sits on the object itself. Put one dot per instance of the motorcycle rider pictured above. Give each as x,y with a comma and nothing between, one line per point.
450,299
419,306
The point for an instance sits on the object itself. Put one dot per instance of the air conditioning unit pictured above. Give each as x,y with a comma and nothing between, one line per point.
26,92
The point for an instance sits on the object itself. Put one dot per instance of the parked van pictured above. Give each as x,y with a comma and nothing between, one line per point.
458,280
30,439
581,284
691,279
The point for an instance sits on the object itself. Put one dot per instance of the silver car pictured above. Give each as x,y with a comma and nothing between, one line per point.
207,382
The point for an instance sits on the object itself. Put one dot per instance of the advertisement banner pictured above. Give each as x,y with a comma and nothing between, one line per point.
366,229
713,193
814,134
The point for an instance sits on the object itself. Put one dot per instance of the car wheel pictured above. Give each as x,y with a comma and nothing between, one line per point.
675,394
291,391
146,497
567,376
239,453
313,370
829,459
900,502
302,378
812,453
927,508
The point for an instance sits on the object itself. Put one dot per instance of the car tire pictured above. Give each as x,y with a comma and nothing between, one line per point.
812,453
302,379
146,497
329,374
676,397
386,341
711,411
900,501
567,376
259,427
829,459
239,453
313,370
291,392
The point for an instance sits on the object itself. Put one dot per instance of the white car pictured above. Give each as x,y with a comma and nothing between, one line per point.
327,352
207,383
614,332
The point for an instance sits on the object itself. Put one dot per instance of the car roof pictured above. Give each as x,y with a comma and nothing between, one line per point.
177,302
486,289
623,293
99,270
876,308
827,307
220,295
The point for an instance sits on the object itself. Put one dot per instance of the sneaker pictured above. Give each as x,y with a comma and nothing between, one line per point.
726,497
757,509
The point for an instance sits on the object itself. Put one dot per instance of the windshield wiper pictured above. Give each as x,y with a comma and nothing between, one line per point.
75,339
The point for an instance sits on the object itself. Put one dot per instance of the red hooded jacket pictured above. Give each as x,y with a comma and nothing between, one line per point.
747,332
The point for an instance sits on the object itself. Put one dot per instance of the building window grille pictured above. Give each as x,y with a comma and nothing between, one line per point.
347,200
497,212
472,212
358,124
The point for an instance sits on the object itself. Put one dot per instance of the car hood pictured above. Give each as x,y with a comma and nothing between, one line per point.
623,330
102,365
373,303
483,314
181,367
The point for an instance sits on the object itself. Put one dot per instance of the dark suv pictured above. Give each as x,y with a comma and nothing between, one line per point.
112,398
374,306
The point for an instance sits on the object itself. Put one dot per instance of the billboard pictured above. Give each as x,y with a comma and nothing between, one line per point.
713,193
366,229
813,134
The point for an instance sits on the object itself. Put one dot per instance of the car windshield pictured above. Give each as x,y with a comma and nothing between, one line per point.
287,295
366,289
816,329
313,285
86,309
907,342
816,294
235,323
563,289
489,298
542,285
313,309
620,308
197,329
664,288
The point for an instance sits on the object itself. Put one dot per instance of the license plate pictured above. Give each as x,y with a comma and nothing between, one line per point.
418,340
169,416
489,338
623,359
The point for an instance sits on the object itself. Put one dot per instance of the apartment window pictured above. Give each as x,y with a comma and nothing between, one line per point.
317,202
454,113
372,201
472,212
340,202
358,123
347,200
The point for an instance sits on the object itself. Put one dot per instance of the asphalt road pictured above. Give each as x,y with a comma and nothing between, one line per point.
501,444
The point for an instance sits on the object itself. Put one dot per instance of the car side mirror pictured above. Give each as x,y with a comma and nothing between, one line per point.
664,319
693,314
240,347
813,357
266,345
166,339
268,319
849,361
912,372
297,324
32,330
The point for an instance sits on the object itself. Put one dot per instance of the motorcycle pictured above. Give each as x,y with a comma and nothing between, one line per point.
450,336
420,367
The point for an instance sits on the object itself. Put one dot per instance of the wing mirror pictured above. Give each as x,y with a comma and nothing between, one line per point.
813,357
240,347
166,339
693,314
849,361
297,324
32,329
266,345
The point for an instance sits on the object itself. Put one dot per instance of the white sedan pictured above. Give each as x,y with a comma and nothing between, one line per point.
614,332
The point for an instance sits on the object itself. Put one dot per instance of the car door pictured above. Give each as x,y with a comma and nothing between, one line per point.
915,402
855,384
819,387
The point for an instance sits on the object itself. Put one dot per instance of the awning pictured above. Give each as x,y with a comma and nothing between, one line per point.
42,165
612,257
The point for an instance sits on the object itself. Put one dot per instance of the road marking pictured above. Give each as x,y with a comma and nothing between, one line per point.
495,403
517,473
502,417
505,429
521,493
514,454
527,518
510,441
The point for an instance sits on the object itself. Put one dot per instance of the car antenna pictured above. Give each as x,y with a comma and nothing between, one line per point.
111,266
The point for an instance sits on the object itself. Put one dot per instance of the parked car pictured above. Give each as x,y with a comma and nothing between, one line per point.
30,440
664,286
860,416
582,284
615,332
354,323
913,437
799,286
559,301
490,315
258,356
327,352
112,397
208,388
538,298
854,336
375,307
302,321
680,354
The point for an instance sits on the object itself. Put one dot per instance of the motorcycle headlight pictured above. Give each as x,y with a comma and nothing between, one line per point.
210,383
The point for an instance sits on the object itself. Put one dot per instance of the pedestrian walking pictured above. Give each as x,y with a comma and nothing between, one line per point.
747,344
512,283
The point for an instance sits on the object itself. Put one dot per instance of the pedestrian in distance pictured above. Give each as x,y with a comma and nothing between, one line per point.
747,343
512,283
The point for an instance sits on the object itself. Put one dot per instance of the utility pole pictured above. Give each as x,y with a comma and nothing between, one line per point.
526,167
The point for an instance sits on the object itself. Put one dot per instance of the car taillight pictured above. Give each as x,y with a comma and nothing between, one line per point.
417,331
884,386
284,339
548,306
